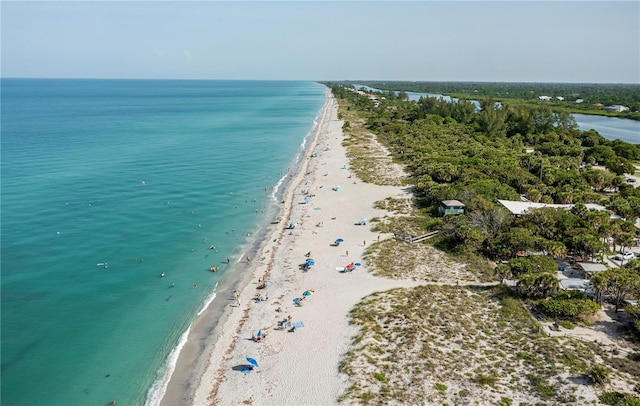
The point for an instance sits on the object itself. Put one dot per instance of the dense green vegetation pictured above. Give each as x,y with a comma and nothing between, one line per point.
590,93
513,152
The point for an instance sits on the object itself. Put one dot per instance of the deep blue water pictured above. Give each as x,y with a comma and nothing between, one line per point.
144,176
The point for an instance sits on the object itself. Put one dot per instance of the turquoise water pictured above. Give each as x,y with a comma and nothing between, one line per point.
144,176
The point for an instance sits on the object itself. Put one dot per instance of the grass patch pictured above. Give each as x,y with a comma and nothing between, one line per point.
441,387
481,340
371,162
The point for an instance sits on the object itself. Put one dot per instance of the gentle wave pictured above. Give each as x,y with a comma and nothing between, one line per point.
303,146
159,388
276,188
209,299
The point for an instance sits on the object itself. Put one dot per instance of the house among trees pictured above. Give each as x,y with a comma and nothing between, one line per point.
617,108
519,208
574,284
451,207
591,268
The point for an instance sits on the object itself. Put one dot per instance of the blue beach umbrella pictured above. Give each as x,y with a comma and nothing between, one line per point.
357,264
252,362
339,240
311,263
296,300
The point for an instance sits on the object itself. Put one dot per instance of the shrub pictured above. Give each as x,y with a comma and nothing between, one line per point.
483,379
619,399
598,374
569,305
506,402
367,396
533,264
381,377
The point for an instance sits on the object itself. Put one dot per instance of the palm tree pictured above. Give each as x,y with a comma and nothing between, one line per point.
504,272
538,284
547,284
526,284
556,249
599,283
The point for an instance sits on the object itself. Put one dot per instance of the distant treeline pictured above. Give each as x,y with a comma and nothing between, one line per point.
590,93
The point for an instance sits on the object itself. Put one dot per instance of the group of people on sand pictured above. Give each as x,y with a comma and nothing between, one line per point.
284,323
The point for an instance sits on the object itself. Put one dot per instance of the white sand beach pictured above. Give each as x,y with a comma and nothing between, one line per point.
295,367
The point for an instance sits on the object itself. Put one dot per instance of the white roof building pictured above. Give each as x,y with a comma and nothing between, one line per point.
616,107
518,208
592,267
574,284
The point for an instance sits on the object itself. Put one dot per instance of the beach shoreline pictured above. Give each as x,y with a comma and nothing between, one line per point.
326,200
192,360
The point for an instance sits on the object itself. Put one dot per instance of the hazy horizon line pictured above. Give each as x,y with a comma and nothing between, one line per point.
320,80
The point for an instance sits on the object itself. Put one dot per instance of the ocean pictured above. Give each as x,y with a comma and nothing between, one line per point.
117,198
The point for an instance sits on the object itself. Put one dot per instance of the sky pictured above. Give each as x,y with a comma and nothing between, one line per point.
508,41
